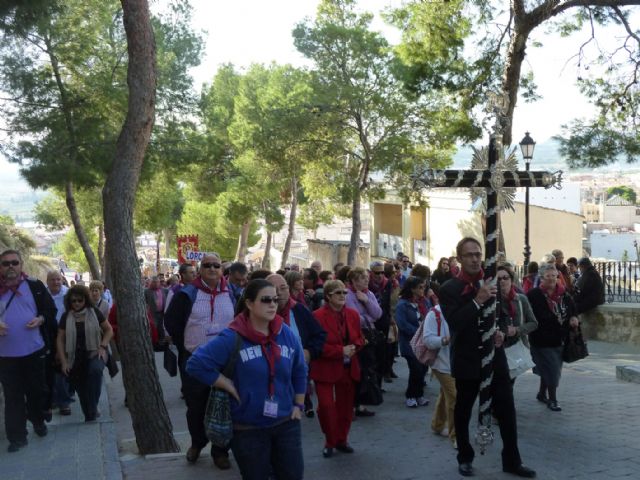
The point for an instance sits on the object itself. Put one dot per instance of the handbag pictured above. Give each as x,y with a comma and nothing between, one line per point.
424,354
518,358
170,360
575,346
218,424
112,365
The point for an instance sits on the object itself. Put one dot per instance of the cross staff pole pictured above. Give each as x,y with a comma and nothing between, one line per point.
493,179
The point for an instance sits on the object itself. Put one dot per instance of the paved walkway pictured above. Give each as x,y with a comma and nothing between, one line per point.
594,437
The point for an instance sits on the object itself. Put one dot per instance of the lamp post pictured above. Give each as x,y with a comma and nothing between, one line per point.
527,146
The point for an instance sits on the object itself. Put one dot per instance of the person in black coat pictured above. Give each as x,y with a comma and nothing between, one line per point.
589,289
462,300
300,319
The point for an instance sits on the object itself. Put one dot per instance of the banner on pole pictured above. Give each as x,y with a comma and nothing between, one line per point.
186,243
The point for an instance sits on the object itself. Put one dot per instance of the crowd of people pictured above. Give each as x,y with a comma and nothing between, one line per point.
296,337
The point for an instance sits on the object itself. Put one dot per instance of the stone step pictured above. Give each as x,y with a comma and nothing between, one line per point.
628,373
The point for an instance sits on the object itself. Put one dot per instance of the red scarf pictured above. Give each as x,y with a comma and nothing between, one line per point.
470,282
200,285
422,306
242,325
6,288
554,297
285,312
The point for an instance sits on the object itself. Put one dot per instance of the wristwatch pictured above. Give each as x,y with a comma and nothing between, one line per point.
300,406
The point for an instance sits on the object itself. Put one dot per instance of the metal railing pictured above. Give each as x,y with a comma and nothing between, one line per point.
621,280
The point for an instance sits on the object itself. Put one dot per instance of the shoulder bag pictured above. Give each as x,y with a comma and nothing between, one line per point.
575,346
218,424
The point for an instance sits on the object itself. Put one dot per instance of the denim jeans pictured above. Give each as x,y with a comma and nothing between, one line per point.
89,387
415,384
62,391
261,451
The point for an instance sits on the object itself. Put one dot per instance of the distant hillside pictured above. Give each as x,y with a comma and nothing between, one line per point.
545,157
18,198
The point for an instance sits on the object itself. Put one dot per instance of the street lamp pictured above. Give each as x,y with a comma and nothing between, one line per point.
527,145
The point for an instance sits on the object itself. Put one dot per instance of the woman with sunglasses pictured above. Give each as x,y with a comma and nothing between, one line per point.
267,388
516,319
337,370
83,337
556,313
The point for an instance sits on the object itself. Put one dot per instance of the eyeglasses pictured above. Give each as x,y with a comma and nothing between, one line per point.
472,255
287,268
267,299
210,265
339,292
13,263
503,277
76,300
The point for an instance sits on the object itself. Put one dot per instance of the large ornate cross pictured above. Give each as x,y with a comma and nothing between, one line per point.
500,178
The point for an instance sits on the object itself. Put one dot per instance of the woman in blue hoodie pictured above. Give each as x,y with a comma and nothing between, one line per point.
408,318
267,388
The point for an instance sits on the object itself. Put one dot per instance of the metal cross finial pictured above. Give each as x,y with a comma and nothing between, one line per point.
497,108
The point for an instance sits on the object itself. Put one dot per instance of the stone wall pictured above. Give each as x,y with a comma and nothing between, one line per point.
614,323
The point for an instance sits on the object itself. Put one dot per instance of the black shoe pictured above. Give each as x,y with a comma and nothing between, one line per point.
364,412
309,413
48,415
222,462
553,406
387,379
466,469
521,471
40,429
346,448
393,374
15,446
327,452
192,454
541,397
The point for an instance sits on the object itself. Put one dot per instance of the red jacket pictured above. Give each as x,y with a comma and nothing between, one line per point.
329,366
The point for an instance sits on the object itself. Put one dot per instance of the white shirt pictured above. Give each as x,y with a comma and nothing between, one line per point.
433,340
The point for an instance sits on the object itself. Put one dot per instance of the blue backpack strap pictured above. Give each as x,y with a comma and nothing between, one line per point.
191,291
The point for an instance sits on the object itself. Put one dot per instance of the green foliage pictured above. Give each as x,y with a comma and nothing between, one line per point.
67,247
51,212
159,204
14,237
625,192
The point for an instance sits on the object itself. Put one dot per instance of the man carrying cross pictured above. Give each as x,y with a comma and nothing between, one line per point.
463,300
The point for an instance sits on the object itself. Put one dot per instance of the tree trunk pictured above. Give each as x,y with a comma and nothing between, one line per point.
167,234
266,259
292,222
151,422
356,228
94,267
101,249
243,239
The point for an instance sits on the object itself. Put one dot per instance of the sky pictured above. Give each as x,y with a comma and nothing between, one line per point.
256,31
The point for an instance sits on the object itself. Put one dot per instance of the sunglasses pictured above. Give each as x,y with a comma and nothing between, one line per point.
76,300
339,292
267,299
210,265
503,277
12,263
378,273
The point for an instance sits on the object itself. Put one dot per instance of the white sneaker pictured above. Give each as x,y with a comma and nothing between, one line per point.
411,403
423,401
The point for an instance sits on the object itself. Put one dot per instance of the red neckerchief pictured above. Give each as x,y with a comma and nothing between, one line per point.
200,285
510,301
242,325
5,288
554,297
470,282
285,312
377,289
422,306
